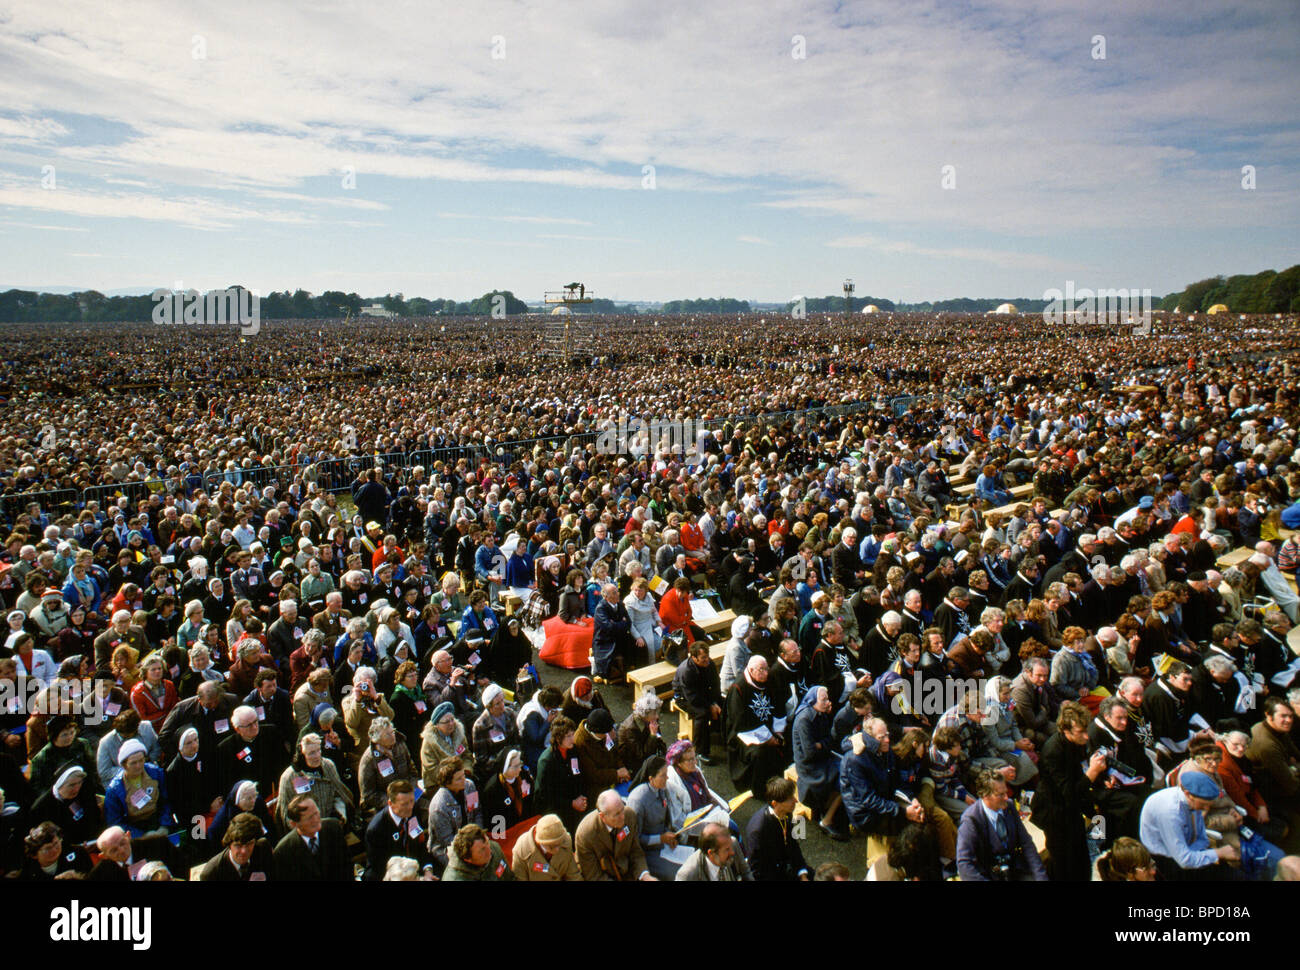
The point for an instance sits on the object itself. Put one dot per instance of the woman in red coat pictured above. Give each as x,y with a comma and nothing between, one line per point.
675,610
153,697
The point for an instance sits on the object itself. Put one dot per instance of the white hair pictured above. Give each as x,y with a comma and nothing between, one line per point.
645,705
401,869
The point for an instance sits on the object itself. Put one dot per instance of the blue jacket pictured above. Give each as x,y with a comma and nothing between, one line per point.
488,623
115,801
611,621
867,783
978,845
1291,516
487,561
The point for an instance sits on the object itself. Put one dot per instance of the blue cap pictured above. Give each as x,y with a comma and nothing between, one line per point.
1199,784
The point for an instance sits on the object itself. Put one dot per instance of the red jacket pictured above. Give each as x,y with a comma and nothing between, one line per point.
148,708
675,611
1238,784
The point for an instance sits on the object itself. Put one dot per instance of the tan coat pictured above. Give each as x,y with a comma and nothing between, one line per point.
530,865
603,857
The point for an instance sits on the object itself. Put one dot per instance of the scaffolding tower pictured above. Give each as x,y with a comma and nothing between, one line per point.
557,329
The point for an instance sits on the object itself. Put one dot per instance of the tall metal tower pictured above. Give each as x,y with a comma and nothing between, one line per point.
848,297
557,332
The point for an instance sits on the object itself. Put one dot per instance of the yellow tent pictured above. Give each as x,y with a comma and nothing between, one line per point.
871,308
561,311
1006,308
1218,308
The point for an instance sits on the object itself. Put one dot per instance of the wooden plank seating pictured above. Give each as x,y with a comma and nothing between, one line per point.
686,723
719,624
799,807
659,676
1235,558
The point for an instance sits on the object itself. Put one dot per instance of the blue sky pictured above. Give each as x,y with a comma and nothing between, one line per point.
208,144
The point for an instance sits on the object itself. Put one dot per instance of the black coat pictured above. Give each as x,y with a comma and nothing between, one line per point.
697,688
384,839
260,760
332,862
774,854
260,867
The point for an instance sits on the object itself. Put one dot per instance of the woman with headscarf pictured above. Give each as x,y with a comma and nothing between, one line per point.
63,748
755,748
688,792
242,797
580,700
548,582
443,737
1003,734
508,794
337,745
893,702
192,784
494,732
817,761
509,657
391,631
572,600
70,804
649,799
312,774
137,799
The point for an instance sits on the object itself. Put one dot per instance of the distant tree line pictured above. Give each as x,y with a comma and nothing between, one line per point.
1266,292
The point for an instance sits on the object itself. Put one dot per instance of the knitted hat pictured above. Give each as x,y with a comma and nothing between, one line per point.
129,748
441,711
600,721
550,831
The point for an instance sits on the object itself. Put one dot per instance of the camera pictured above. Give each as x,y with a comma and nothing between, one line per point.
1113,763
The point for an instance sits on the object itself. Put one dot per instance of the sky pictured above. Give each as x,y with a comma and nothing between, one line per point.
658,151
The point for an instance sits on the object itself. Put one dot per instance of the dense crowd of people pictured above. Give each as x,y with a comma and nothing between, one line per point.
240,644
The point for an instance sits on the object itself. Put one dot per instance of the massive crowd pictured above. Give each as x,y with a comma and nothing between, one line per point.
242,644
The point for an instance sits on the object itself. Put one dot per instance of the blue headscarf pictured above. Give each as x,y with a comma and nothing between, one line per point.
809,699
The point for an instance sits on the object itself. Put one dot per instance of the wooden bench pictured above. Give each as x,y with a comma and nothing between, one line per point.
799,807
1235,558
967,489
657,676
719,624
686,723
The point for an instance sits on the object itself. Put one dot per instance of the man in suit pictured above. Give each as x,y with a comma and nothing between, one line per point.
208,712
774,853
250,753
608,843
992,842
716,859
333,620
313,850
245,855
395,831
122,856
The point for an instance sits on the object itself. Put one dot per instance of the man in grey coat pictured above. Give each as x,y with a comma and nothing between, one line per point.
716,859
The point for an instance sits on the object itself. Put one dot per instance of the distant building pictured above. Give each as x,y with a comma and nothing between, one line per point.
377,310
